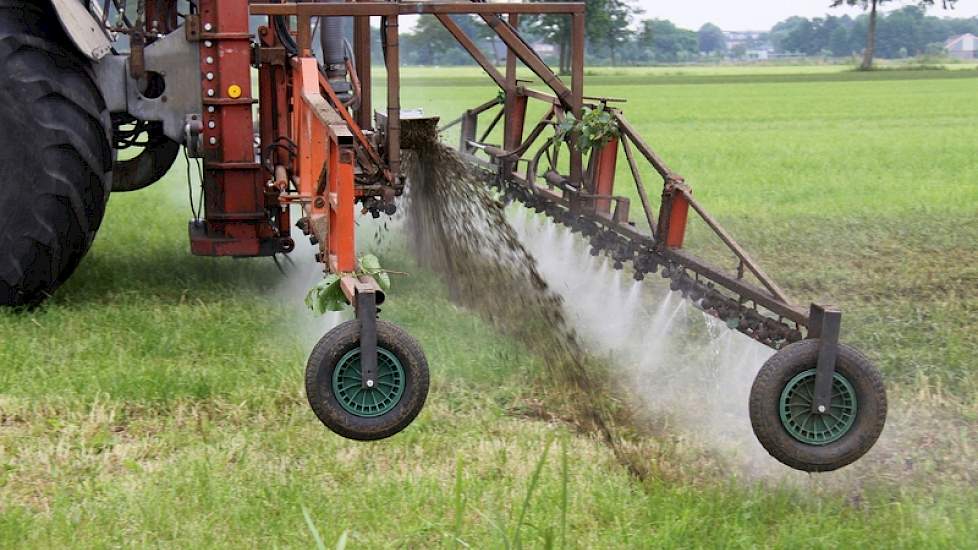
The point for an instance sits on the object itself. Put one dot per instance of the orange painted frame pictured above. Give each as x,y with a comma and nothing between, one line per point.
324,169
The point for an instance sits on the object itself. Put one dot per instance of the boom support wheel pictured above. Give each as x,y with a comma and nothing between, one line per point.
794,430
342,398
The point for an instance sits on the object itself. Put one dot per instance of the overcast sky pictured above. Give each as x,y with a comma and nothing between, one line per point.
742,15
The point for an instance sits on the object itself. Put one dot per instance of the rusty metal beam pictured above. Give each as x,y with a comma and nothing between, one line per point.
473,50
390,31
413,8
529,57
751,292
577,91
338,130
509,126
351,124
643,195
361,48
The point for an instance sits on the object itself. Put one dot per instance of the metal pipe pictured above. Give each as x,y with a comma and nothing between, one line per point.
415,8
361,53
577,91
472,49
334,53
390,31
637,176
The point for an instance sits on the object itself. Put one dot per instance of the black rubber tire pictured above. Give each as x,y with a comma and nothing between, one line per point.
149,166
765,396
55,154
319,374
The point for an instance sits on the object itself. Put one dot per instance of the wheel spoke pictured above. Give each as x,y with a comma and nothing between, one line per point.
368,402
797,417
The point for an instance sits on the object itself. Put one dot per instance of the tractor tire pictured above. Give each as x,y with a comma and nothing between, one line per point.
780,408
55,154
334,390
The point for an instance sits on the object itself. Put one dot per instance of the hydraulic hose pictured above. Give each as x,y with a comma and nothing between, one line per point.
334,53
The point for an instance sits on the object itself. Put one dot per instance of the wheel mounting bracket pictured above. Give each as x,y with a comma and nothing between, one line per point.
366,308
824,325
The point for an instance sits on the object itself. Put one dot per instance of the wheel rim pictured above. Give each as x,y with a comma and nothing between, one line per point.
368,402
814,428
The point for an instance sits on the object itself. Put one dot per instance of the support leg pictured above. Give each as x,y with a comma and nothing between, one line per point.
825,325
367,317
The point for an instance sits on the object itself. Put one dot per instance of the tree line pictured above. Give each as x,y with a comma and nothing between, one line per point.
617,36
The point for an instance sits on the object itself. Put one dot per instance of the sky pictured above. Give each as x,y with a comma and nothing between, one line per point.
742,15
750,15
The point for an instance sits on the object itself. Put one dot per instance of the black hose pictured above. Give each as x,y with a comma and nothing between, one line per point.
285,35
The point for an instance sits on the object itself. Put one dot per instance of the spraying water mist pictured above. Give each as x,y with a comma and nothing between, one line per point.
683,367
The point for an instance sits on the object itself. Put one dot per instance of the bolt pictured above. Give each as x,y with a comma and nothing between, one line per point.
210,93
210,76
212,125
208,44
208,27
211,109
821,409
370,383
210,59
213,141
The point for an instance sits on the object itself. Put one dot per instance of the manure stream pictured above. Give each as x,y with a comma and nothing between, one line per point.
604,338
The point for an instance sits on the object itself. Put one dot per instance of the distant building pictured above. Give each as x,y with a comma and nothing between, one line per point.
759,55
747,38
963,47
753,45
541,48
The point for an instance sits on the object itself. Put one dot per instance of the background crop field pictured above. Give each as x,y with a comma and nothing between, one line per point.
157,399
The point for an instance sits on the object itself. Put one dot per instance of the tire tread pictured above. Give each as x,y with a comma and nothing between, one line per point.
58,209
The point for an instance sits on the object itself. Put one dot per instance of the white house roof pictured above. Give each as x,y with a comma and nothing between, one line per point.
967,41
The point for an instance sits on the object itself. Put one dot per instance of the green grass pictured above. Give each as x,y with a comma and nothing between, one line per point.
157,399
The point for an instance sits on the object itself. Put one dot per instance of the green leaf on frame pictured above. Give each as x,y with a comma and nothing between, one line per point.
326,295
370,265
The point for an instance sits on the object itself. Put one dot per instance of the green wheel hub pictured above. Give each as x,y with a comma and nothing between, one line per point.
368,402
810,427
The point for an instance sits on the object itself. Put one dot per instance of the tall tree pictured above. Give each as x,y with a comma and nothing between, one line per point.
873,6
598,21
839,42
666,42
617,32
711,39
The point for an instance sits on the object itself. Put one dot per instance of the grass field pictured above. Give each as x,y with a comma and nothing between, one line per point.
157,399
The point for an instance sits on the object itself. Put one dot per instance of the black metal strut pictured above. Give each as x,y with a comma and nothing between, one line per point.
824,325
367,316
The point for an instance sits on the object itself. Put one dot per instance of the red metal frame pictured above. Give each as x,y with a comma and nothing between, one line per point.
605,163
312,147
237,221
308,141
324,168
